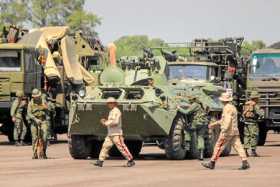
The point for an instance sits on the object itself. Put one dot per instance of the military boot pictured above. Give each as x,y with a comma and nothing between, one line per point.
254,153
201,155
209,165
246,152
98,163
35,156
245,165
130,163
17,143
22,143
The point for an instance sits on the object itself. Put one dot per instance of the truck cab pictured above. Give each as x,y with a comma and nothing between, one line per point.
263,75
19,70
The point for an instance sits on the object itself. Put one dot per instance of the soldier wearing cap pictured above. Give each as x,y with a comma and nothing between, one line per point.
38,113
229,134
199,123
251,114
114,136
18,111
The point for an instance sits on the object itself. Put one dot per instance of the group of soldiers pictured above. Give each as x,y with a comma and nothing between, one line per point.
35,113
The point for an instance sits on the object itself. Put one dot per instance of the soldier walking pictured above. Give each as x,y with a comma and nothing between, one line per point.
229,134
199,123
18,109
251,114
115,135
38,114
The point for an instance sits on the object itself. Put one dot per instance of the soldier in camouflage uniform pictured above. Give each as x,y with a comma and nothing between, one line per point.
18,110
38,114
251,114
199,123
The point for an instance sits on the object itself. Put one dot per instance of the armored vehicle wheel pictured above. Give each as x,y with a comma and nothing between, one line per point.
262,133
79,147
175,148
134,147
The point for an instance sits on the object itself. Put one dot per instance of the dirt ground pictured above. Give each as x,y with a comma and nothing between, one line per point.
152,169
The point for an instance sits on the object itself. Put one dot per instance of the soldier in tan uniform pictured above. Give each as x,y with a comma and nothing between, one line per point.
229,134
115,135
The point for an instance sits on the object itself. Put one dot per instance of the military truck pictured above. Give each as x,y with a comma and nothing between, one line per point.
150,112
59,55
263,75
19,71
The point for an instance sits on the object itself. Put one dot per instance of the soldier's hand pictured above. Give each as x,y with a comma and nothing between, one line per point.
38,121
102,121
13,119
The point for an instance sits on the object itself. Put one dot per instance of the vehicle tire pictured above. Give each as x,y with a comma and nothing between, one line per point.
175,148
134,147
79,147
262,133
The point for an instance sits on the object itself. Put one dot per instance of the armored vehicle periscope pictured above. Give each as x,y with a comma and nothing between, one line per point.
150,111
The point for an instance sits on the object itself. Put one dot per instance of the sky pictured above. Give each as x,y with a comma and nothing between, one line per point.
184,20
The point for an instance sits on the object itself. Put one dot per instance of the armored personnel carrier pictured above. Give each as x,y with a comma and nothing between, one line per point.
149,109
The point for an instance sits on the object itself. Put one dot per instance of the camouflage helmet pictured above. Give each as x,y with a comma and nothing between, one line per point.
19,93
254,95
36,93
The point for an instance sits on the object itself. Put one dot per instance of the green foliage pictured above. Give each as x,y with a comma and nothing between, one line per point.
40,13
134,45
13,12
249,47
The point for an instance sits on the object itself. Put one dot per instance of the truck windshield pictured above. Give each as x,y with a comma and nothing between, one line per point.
9,61
265,65
182,72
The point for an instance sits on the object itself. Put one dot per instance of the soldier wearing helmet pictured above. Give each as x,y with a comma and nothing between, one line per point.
115,135
251,114
38,114
199,121
18,111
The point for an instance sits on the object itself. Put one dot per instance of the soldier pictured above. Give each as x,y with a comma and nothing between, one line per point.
198,123
229,134
115,135
38,114
18,110
251,114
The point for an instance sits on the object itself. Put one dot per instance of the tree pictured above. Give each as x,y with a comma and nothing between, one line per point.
249,47
13,12
84,21
134,45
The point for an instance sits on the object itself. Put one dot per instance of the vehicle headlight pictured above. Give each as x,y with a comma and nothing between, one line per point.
82,93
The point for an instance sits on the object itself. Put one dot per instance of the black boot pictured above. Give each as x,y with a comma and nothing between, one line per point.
209,165
245,165
201,154
35,156
246,152
130,163
98,163
254,153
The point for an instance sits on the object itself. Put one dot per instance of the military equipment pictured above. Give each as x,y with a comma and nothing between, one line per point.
262,75
50,59
149,111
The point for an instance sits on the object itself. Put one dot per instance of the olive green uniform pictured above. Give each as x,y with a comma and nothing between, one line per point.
17,111
251,128
198,122
38,114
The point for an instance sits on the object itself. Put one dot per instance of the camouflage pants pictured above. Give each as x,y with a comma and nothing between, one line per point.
221,144
43,131
201,132
251,132
118,141
19,130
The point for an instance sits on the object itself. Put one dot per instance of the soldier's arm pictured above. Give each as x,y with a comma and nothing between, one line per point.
29,113
227,120
259,112
14,108
113,120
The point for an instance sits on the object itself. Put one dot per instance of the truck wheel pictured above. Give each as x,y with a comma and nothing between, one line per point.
175,148
79,147
262,133
134,147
